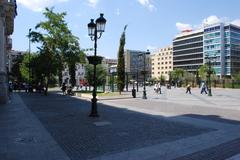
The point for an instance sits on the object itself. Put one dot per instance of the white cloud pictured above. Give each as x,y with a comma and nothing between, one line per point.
148,4
181,26
236,22
151,48
207,21
92,3
211,20
38,5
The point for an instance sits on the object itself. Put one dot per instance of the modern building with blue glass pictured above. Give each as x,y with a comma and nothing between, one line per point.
218,43
221,45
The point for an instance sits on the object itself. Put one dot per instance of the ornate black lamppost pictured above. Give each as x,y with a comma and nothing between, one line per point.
144,74
209,72
29,54
95,31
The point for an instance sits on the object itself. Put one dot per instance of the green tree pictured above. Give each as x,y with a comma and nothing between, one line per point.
121,65
162,79
101,72
25,66
203,71
58,46
15,74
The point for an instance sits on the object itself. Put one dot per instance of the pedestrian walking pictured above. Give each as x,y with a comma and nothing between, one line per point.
188,89
159,88
64,87
203,88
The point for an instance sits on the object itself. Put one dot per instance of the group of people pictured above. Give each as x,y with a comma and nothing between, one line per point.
67,90
203,88
157,88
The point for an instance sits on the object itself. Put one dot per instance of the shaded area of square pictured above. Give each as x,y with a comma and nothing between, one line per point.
67,120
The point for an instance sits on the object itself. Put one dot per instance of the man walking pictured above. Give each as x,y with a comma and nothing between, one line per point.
188,89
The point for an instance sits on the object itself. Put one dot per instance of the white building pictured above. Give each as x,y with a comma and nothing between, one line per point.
7,15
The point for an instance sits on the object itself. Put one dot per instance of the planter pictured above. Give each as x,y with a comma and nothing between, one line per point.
94,60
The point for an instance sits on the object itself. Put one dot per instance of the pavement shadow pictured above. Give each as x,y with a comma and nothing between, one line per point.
116,130
215,118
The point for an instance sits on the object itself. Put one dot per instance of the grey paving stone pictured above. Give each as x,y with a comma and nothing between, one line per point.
66,119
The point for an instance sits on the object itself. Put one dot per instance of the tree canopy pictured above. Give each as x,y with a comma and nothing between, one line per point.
57,46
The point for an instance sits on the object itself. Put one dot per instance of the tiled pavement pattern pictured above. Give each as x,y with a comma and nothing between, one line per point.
66,119
219,152
41,133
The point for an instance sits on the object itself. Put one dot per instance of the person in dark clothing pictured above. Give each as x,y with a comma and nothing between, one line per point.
64,87
188,89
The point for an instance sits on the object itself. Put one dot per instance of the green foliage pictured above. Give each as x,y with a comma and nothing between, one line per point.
121,65
203,71
15,74
101,74
24,67
58,47
162,79
177,74
237,77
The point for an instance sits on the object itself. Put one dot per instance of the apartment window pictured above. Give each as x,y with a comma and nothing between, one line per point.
152,63
162,58
153,68
165,67
166,72
158,63
162,68
165,57
170,67
170,62
158,67
162,63
162,72
166,62
158,72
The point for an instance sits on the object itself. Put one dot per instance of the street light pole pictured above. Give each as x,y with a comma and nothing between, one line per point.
144,75
29,54
209,77
93,30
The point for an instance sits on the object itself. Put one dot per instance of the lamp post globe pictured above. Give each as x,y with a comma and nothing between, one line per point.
95,30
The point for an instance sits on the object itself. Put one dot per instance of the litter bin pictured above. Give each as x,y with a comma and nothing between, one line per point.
134,93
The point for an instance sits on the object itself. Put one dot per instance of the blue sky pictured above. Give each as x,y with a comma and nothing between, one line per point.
151,24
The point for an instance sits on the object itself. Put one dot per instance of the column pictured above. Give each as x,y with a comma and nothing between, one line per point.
3,84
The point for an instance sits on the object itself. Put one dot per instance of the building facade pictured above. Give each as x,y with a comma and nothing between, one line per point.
162,62
222,48
7,15
218,43
134,64
188,50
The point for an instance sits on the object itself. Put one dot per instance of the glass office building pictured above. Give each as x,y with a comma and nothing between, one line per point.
188,50
218,43
222,48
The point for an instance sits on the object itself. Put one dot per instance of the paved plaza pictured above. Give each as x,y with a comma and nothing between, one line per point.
171,125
